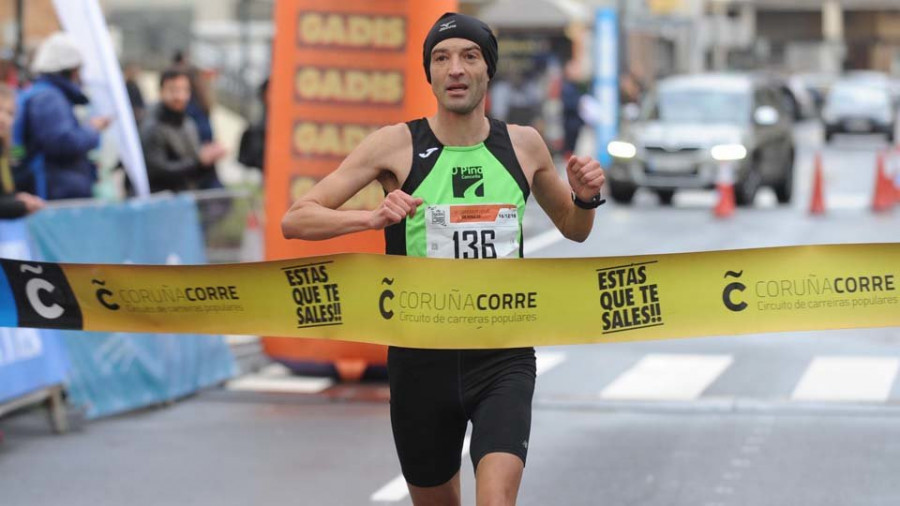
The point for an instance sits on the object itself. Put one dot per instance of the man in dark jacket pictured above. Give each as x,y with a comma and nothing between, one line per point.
52,132
175,159
252,151
12,204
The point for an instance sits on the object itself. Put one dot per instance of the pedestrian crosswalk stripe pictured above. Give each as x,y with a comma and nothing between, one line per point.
863,379
668,377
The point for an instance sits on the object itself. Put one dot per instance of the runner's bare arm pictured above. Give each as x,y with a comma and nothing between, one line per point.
552,193
315,216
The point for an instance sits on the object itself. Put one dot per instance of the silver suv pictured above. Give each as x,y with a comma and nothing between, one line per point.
693,124
857,105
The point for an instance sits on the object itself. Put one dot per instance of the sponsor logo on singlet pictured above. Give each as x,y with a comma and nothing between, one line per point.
468,182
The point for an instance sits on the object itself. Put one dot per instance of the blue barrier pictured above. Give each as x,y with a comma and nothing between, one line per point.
116,372
30,359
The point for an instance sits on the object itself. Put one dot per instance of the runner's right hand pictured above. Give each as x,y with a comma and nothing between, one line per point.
395,206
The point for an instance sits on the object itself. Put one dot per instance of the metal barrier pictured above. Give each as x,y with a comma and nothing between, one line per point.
231,223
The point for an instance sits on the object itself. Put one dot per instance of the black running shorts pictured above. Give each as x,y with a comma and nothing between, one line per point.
434,393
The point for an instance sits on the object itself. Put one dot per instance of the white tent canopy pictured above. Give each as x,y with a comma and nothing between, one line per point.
535,14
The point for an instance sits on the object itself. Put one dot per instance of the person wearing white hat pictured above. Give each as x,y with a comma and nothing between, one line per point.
55,163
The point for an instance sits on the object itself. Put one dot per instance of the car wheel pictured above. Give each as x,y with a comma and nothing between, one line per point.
745,189
665,196
890,134
622,193
784,189
829,134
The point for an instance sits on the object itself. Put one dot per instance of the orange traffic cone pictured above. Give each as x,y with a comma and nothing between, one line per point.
897,190
884,197
725,185
817,202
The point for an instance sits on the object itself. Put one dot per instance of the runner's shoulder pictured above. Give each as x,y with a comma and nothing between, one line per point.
388,139
526,141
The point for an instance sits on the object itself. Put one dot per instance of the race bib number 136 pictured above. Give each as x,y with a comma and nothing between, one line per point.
472,231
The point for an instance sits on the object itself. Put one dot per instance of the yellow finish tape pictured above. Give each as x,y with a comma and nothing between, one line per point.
429,303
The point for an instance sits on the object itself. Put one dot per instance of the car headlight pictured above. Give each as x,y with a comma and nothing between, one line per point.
728,152
621,149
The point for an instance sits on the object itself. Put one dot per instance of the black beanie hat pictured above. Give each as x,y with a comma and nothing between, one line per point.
452,25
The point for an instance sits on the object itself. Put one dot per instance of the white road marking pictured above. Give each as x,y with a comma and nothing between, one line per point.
396,489
668,377
847,201
237,339
847,379
542,240
547,360
278,378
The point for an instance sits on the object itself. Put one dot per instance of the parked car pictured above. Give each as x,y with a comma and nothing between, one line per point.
817,84
856,105
800,102
691,125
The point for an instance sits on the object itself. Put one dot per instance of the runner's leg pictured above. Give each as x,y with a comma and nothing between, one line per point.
497,479
441,495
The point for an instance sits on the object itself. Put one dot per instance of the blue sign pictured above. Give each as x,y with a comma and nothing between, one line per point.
30,359
606,80
115,372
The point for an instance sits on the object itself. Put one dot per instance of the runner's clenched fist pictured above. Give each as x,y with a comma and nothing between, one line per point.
395,206
586,177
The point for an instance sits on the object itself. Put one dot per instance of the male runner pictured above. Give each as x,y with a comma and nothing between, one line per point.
429,168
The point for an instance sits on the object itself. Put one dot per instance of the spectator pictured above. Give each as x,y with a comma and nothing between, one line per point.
132,71
12,204
525,100
572,121
252,149
175,159
630,89
56,164
200,106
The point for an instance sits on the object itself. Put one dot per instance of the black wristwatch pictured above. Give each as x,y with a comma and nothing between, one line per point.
594,203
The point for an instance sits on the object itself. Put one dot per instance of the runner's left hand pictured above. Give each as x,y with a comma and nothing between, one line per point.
586,177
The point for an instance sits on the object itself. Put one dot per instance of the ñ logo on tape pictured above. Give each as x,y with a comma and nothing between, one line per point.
728,298
386,295
104,294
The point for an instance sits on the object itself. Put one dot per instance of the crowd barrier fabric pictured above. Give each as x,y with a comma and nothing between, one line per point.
114,371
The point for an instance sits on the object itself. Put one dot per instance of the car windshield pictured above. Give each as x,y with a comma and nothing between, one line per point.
858,96
699,106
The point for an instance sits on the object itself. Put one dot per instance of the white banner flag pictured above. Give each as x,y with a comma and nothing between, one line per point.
102,76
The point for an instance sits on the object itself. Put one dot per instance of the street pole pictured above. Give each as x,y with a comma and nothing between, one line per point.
621,8
720,50
244,12
19,55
